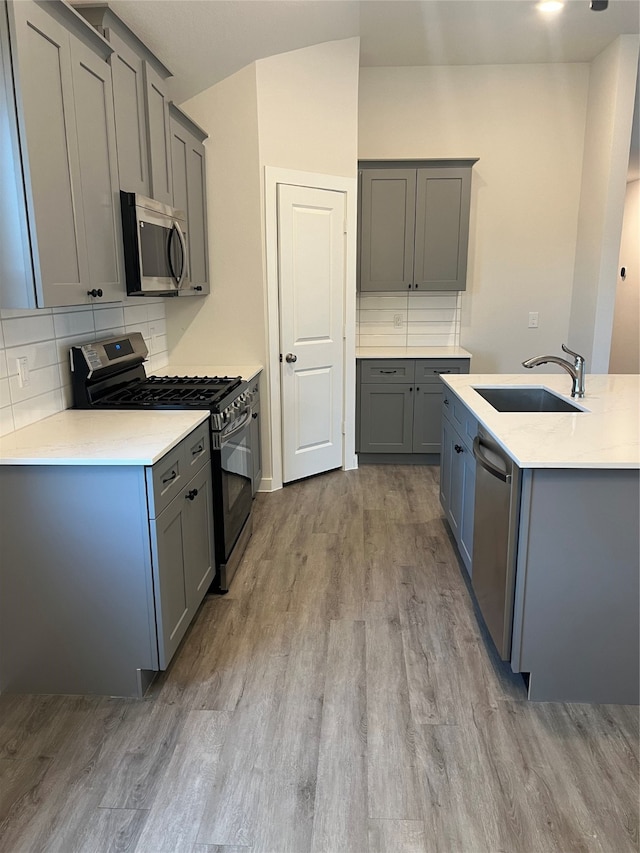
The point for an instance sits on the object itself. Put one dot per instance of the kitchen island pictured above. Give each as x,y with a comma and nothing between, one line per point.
575,619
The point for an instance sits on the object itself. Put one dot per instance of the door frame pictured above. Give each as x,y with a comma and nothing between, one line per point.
336,183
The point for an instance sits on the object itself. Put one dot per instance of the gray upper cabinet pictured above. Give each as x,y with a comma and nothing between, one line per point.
387,225
414,224
141,106
61,133
189,182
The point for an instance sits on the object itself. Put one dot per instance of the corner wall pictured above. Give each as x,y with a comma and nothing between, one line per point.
612,84
625,340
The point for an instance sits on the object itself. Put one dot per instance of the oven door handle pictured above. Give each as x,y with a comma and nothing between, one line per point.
238,426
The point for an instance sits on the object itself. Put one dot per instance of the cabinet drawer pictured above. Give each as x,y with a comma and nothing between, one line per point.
429,370
197,449
464,421
168,476
391,370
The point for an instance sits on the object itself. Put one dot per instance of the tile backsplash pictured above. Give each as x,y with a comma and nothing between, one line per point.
44,336
408,319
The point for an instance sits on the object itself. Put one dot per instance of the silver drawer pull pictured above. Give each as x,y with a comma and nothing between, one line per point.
171,477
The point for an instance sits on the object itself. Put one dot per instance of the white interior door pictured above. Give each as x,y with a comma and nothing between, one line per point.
311,271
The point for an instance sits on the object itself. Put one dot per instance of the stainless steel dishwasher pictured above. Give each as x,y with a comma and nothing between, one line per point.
495,538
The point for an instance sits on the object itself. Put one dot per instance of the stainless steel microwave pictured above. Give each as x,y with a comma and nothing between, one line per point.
156,259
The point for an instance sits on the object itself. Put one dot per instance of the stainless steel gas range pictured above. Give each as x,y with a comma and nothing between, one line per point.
109,374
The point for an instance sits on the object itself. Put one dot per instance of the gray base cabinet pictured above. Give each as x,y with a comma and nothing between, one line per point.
61,134
458,473
400,405
99,588
413,224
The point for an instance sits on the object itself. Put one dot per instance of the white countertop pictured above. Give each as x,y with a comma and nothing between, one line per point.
99,437
605,435
246,371
412,352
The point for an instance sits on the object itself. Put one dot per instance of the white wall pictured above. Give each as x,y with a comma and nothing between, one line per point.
612,85
44,336
625,341
526,125
294,111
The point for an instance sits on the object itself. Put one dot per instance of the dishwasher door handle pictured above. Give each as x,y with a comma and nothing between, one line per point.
487,464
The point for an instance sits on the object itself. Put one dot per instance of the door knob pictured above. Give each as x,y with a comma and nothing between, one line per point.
290,358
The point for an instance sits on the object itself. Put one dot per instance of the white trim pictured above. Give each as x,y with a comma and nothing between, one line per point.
272,177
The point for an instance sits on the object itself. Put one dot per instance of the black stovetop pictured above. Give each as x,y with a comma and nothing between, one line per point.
171,391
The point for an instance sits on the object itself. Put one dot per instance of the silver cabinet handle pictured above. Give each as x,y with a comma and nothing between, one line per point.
290,358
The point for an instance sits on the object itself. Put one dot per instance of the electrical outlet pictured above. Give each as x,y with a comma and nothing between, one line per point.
23,371
397,321
533,319
152,339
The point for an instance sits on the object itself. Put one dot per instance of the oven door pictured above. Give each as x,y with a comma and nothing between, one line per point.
236,472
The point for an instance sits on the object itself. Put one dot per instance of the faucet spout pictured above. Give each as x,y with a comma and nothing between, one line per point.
575,370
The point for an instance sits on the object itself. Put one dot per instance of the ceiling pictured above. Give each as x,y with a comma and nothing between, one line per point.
204,41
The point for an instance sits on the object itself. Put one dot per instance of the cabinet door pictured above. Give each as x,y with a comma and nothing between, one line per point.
47,122
427,418
386,418
387,229
442,228
446,449
157,109
93,99
189,194
256,452
199,565
173,613
127,70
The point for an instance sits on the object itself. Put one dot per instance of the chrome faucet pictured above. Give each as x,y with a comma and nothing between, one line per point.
575,370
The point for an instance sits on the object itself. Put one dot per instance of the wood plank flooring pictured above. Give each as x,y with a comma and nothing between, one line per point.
342,698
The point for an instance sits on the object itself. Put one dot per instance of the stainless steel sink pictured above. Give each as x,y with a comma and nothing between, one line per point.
526,400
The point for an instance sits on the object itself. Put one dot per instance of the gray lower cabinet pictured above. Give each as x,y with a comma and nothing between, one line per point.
189,194
400,407
59,137
414,224
141,104
256,437
458,473
98,590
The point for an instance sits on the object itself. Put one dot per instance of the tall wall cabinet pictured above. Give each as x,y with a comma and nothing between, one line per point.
414,224
60,214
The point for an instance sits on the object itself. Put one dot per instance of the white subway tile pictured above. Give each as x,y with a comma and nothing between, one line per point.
108,318
65,309
159,344
383,329
11,313
67,391
135,314
427,301
431,340
73,323
422,328
389,301
156,310
1,336
37,408
38,355
40,382
4,372
381,340
28,329
156,362
5,393
381,316
6,420
143,328
432,315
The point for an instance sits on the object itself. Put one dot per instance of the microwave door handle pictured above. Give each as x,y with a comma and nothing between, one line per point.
179,279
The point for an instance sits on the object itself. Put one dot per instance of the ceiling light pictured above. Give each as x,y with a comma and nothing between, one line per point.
550,7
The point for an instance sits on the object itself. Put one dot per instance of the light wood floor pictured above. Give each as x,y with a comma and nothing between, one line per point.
340,698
